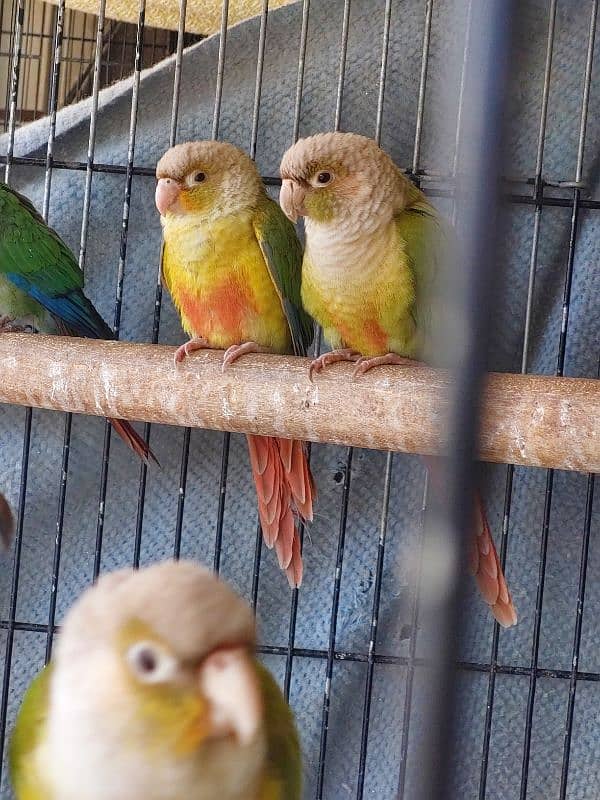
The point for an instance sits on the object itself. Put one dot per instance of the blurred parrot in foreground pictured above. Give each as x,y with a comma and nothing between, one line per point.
41,286
154,693
232,262
374,246
7,523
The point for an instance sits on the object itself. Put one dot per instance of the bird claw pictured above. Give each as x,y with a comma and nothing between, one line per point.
197,343
236,350
16,329
8,325
364,364
317,365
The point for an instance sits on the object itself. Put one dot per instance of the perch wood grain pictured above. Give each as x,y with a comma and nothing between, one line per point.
527,419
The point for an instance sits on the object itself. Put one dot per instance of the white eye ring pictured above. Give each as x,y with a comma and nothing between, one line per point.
196,177
322,178
150,664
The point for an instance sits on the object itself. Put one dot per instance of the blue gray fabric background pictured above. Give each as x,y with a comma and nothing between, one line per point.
568,503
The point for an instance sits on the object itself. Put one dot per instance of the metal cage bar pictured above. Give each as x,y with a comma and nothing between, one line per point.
559,371
74,83
525,351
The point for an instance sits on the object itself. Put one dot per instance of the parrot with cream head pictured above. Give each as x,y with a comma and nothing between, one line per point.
231,262
374,246
41,288
154,693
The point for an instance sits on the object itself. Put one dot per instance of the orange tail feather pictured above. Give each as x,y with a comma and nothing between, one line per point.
486,567
132,439
484,563
284,488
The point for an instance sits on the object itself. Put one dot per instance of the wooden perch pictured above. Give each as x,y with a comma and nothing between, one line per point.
527,419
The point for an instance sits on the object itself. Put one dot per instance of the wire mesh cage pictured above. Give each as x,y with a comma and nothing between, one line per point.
349,648
78,49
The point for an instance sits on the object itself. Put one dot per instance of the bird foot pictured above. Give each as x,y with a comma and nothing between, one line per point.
318,364
236,350
197,343
8,325
365,364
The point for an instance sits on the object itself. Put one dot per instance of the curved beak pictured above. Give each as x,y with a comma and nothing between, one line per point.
166,195
291,199
228,680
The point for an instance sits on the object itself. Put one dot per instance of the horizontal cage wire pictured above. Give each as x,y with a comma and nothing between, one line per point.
118,51
347,648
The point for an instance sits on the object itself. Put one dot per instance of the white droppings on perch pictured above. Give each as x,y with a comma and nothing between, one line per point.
526,419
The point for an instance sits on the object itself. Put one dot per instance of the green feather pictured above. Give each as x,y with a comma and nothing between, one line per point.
30,248
42,272
283,255
28,733
284,754
429,242
284,760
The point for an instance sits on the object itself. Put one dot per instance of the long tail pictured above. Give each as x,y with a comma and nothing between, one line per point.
132,439
83,320
285,489
484,563
7,523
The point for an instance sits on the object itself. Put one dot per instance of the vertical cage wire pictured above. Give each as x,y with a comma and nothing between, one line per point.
538,191
347,471
14,589
78,57
479,137
560,361
54,88
583,564
139,51
414,610
76,75
158,295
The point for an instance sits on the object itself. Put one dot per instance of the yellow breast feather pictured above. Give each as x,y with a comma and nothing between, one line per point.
364,304
217,276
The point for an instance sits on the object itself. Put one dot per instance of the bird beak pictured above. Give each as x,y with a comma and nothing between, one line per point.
167,193
229,682
291,199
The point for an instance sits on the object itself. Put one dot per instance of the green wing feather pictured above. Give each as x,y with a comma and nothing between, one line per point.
28,733
283,255
430,241
34,259
284,755
30,248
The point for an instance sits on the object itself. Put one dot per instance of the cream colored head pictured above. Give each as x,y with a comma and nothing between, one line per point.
153,682
206,178
334,178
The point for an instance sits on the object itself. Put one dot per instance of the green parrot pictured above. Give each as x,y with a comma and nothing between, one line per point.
41,287
374,246
232,263
154,693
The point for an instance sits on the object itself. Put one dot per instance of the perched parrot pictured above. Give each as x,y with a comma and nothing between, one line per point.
231,262
41,286
373,248
154,693
7,523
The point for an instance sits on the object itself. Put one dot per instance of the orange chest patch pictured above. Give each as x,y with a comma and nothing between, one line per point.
367,337
225,309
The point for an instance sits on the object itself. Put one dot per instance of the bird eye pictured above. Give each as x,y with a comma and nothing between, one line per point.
149,663
199,177
323,178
